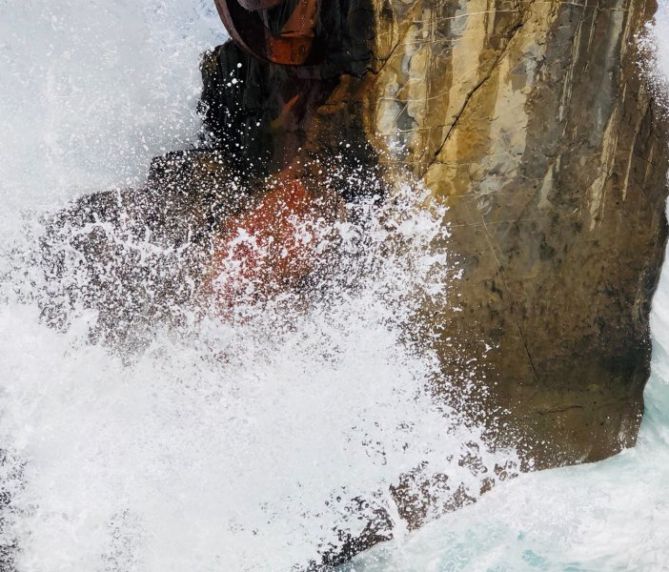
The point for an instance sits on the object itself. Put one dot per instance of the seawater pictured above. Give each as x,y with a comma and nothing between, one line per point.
241,446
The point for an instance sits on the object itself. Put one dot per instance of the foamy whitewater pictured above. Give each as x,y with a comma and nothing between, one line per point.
242,446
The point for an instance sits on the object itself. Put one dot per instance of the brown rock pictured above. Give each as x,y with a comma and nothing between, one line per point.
531,122
529,119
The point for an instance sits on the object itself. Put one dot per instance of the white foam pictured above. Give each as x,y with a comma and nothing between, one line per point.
92,90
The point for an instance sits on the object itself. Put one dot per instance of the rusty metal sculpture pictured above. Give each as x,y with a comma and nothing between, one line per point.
280,32
295,44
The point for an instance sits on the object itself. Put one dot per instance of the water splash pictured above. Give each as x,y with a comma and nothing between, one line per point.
92,90
251,444
655,53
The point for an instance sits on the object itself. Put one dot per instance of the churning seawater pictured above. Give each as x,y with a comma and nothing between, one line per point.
244,446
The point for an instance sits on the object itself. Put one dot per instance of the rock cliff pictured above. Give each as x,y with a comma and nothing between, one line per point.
531,122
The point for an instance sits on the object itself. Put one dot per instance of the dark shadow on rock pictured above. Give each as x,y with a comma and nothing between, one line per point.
135,256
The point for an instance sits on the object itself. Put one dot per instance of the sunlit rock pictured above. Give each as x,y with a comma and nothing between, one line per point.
532,122
529,121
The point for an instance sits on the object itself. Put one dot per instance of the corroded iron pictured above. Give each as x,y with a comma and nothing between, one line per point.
295,44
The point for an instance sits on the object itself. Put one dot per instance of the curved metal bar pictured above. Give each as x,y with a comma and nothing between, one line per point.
293,46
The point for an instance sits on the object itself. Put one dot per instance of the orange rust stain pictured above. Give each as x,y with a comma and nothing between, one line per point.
272,247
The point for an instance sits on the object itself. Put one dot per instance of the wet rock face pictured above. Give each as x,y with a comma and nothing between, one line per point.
265,117
137,257
530,120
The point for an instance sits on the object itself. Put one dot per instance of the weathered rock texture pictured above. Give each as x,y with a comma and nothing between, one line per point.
531,121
